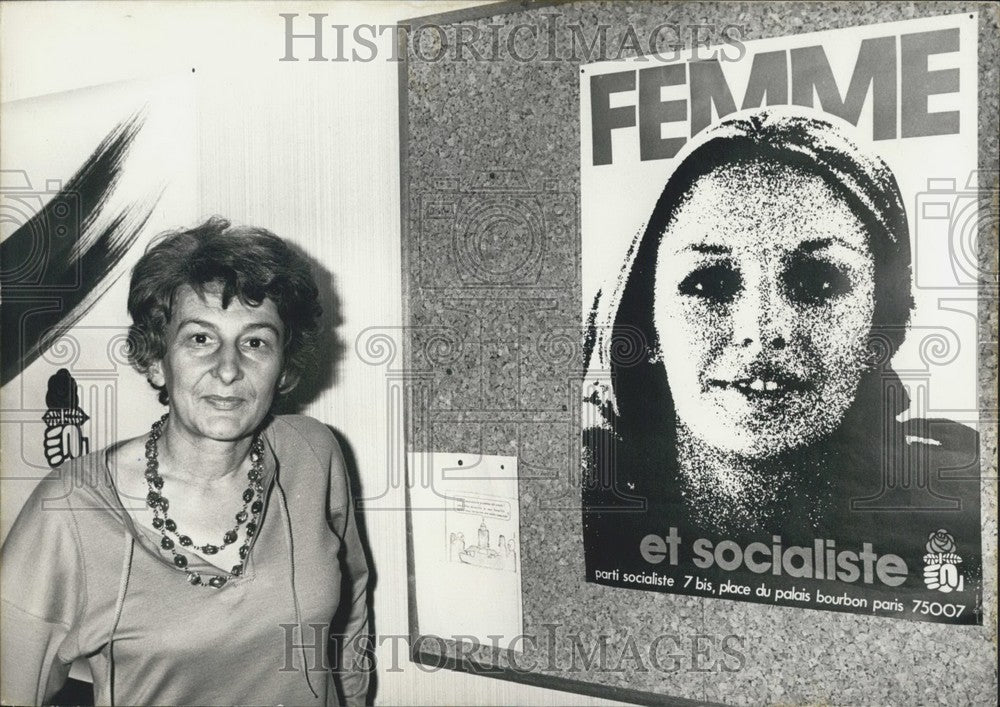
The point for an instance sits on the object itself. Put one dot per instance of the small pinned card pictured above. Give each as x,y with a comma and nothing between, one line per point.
466,546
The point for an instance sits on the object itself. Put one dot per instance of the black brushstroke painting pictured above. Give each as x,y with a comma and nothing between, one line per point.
58,263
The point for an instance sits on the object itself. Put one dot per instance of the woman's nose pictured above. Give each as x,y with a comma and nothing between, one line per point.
761,318
228,367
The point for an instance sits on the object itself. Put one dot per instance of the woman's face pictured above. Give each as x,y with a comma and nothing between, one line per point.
764,302
221,367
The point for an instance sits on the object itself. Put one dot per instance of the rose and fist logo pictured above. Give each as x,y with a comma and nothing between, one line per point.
941,563
64,438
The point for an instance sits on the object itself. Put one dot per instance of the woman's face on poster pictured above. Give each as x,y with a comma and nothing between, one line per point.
763,307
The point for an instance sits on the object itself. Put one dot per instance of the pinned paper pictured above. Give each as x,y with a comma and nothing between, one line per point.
466,546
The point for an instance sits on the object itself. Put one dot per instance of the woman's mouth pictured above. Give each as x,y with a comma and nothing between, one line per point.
770,385
224,402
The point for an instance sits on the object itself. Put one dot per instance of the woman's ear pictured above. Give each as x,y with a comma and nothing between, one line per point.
287,382
155,374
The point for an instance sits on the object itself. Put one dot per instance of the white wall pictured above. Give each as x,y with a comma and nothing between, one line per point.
311,151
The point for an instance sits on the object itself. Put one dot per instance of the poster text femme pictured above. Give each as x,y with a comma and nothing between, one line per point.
883,64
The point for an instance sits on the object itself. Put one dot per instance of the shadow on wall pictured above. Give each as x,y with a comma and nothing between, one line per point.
340,618
331,348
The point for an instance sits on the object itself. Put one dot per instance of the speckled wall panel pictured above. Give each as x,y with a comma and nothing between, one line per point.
491,218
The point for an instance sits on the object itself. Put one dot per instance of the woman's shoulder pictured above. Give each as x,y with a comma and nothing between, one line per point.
77,497
311,450
44,545
298,434
302,426
77,483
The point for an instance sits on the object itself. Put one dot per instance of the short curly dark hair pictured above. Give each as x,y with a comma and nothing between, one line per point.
252,264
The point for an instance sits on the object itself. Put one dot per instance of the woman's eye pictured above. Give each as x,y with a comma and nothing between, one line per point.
717,283
200,339
256,343
813,282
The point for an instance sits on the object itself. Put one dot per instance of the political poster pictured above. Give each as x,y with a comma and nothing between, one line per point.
779,297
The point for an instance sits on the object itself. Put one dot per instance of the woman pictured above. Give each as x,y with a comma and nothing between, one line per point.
207,563
763,301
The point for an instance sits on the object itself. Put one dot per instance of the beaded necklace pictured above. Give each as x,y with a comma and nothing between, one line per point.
165,524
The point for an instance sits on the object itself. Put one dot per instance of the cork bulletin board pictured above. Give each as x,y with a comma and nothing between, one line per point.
498,221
